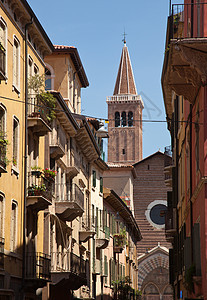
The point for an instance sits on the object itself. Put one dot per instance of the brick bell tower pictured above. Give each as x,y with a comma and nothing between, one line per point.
125,116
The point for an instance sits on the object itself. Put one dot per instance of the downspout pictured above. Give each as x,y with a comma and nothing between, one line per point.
191,173
25,162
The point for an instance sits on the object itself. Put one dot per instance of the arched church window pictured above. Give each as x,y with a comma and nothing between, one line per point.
48,79
130,118
117,119
123,119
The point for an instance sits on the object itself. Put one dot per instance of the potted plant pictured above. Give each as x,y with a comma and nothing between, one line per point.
36,190
120,241
36,171
49,174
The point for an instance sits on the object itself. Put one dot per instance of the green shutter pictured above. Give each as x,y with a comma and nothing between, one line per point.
94,178
101,184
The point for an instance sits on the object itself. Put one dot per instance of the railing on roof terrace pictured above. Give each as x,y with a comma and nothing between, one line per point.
124,98
188,20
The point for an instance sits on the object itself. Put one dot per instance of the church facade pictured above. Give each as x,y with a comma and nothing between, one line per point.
139,182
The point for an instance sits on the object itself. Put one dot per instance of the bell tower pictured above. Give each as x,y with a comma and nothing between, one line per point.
125,116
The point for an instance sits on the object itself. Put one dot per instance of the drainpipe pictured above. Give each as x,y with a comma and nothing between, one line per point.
191,174
25,162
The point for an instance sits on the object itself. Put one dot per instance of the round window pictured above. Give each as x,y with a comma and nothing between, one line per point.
157,214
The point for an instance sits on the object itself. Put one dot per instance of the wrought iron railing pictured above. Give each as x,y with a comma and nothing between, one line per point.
38,266
40,186
188,20
78,265
37,108
2,60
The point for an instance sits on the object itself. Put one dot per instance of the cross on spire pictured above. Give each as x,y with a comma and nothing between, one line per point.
124,35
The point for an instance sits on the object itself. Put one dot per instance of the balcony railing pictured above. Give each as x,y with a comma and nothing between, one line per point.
188,20
78,265
38,266
40,186
60,262
1,253
65,194
2,62
37,108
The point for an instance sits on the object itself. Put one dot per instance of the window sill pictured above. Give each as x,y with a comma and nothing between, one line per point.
15,171
16,90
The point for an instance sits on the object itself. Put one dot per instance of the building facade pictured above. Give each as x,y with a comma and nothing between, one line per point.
184,91
24,44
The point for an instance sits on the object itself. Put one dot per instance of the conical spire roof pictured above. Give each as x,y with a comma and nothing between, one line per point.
125,83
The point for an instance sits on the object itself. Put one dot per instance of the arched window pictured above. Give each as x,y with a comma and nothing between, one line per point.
3,49
123,119
117,119
48,80
130,118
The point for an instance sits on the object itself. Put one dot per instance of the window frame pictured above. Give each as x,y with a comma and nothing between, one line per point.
5,45
16,77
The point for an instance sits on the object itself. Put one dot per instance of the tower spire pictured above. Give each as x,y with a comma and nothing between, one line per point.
125,83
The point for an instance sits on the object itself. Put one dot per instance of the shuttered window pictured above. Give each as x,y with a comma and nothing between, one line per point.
15,140
16,63
13,225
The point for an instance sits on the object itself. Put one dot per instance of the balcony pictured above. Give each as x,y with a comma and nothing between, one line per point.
57,144
69,270
37,269
87,230
69,203
102,242
119,242
40,191
3,150
186,51
170,223
2,63
74,165
1,253
38,114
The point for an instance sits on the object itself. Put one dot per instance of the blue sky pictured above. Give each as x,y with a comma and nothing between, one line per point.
96,28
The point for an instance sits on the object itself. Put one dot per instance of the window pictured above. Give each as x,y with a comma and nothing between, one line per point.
117,119
94,178
3,46
101,184
130,118
123,119
16,63
197,127
36,69
48,79
13,225
2,120
15,140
